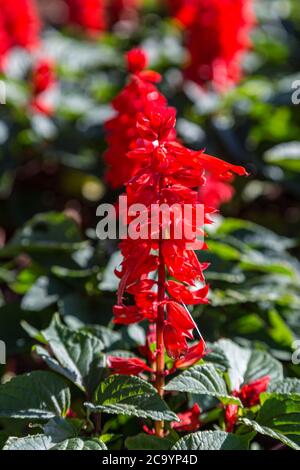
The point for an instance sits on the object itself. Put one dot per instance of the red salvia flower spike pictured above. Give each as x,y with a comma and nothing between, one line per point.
162,172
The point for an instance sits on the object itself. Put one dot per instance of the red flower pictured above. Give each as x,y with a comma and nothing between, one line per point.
137,60
182,293
43,83
122,133
4,41
131,366
216,191
158,170
180,318
43,76
125,315
192,355
249,395
19,25
174,341
189,420
71,414
87,14
166,173
143,148
231,417
223,26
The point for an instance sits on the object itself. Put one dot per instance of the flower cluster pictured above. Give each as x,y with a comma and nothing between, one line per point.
89,15
161,275
122,133
43,81
19,26
217,37
95,16
249,395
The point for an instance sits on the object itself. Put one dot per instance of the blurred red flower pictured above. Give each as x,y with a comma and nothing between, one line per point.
249,394
43,83
88,15
19,25
122,133
217,37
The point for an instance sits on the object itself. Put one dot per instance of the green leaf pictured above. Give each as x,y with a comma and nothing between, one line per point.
45,232
285,155
202,380
79,354
37,442
45,292
247,365
286,386
217,357
106,335
253,235
279,330
60,429
212,440
38,395
43,442
224,251
279,418
266,431
148,442
80,444
130,396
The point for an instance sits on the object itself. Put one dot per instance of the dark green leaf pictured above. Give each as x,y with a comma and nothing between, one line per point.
36,396
212,440
148,442
78,354
131,396
202,380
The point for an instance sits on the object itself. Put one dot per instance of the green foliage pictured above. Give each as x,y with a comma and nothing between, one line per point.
36,396
57,282
130,396
279,418
202,380
212,440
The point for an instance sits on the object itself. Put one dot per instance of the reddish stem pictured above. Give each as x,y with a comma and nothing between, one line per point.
160,353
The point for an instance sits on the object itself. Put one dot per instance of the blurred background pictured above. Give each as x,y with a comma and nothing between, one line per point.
232,75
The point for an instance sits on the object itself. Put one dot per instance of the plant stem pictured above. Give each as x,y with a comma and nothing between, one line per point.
160,353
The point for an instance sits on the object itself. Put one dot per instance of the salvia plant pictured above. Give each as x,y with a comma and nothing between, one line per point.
165,172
